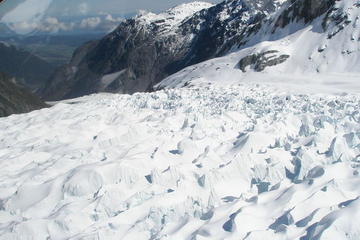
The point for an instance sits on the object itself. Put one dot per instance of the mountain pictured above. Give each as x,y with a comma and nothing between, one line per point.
126,60
28,69
145,49
15,99
301,42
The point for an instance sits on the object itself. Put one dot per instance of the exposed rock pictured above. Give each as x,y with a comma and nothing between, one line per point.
305,10
262,60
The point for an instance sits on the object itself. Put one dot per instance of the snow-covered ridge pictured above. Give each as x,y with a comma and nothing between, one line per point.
173,16
230,162
325,51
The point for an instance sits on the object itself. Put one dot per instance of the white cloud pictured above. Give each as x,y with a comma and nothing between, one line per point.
23,27
104,22
91,22
50,25
53,25
51,20
110,18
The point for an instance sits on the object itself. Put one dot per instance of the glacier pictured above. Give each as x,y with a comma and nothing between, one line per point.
260,143
236,161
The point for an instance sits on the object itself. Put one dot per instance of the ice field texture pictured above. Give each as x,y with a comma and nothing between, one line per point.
244,161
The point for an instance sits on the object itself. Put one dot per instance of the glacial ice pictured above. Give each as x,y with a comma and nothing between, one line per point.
240,162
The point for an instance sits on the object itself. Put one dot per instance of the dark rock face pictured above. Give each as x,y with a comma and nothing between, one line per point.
62,81
223,26
262,60
140,53
16,99
29,69
305,10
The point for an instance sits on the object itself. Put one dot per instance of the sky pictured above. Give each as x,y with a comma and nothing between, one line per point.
83,7
27,16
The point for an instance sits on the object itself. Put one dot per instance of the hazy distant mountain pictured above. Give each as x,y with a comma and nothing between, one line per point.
16,99
57,49
29,69
69,25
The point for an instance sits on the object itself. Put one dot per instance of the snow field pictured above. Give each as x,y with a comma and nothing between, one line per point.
237,162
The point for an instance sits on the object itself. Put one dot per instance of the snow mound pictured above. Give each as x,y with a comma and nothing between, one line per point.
236,162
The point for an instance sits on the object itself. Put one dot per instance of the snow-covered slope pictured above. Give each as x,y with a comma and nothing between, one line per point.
169,19
329,43
236,162
292,50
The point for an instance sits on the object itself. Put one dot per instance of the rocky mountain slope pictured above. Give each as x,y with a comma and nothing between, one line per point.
294,36
144,50
28,69
16,99
317,42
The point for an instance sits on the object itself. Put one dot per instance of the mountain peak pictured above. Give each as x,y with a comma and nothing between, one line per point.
174,15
